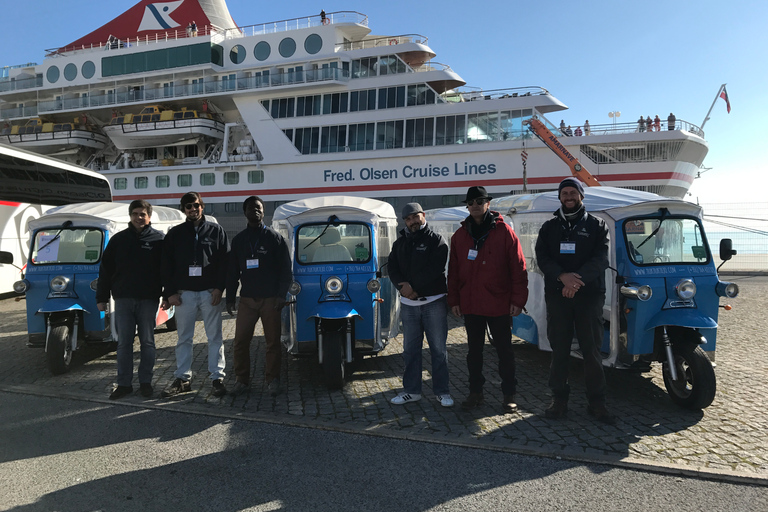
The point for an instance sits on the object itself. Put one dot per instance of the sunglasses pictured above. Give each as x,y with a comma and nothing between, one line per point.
478,202
189,206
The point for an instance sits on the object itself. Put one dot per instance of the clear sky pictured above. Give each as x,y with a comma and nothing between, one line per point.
651,57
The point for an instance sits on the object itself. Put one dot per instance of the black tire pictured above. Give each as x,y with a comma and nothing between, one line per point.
696,382
59,354
333,359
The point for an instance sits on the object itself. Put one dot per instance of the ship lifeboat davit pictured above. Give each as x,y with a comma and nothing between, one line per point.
155,127
51,138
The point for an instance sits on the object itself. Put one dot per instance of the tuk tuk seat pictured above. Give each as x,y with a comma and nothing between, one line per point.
331,248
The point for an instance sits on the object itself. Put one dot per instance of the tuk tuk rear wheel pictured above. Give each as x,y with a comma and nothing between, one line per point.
333,359
696,382
59,353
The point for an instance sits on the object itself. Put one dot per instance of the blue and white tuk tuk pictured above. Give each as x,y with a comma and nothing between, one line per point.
663,292
343,305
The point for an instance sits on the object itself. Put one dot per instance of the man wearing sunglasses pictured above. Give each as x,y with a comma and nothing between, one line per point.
195,272
488,285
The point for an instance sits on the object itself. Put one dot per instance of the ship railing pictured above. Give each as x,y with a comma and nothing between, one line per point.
623,128
462,94
19,84
272,27
375,42
431,66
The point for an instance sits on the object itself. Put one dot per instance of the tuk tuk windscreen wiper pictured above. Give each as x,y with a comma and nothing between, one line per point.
664,214
331,220
56,236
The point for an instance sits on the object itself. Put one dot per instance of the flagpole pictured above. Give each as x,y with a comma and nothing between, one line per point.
717,96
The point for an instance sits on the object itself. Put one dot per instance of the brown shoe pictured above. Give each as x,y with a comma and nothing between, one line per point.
472,401
509,403
601,413
558,409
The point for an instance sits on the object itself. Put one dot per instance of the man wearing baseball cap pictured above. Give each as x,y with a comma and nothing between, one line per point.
417,266
572,252
488,285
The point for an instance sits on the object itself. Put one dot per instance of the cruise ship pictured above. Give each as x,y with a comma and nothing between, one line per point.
304,107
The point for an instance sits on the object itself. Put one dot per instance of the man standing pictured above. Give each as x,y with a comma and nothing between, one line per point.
261,264
130,271
572,252
417,267
488,284
195,271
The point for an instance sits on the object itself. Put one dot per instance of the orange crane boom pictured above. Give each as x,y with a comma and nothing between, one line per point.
547,137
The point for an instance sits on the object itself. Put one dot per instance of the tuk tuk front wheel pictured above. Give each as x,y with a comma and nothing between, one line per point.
696,382
59,353
333,359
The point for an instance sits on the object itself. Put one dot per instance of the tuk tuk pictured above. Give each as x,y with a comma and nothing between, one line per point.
662,289
61,275
342,304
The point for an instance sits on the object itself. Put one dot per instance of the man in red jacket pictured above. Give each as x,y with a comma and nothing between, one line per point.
488,284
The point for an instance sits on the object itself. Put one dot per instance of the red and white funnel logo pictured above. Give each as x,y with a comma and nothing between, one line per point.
157,16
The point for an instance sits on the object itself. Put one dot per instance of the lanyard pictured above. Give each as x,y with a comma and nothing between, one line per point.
197,242
255,244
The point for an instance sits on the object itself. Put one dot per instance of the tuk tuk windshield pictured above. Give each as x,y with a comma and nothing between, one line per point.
668,240
342,242
71,245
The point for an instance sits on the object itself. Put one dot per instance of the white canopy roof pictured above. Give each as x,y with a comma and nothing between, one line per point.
112,216
320,208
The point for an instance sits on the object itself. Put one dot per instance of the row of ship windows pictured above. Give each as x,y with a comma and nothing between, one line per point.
355,101
207,179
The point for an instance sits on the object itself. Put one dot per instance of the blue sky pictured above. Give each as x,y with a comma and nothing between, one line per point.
600,56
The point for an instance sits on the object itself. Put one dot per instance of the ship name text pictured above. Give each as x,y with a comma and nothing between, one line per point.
408,172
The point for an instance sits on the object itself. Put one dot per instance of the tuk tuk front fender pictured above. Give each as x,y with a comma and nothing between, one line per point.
333,311
60,305
683,317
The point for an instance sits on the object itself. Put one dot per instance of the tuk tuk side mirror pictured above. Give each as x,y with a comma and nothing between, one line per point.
726,249
6,258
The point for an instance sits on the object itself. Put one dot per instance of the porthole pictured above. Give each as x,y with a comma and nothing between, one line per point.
287,47
88,69
262,51
53,74
313,43
237,54
70,72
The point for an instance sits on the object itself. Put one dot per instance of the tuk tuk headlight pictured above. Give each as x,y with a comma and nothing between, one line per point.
642,293
334,285
295,288
21,286
59,283
724,289
374,285
94,284
685,289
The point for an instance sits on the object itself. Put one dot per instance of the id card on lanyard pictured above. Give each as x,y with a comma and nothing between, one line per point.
567,247
196,270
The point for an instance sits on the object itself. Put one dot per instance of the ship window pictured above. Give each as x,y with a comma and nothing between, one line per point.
334,139
364,68
216,54
190,151
53,74
449,130
237,54
70,72
184,180
262,50
287,47
307,140
140,182
419,132
389,135
233,207
308,105
313,43
420,94
207,179
88,69
361,136
150,153
362,100
231,178
256,176
163,181
335,103
121,183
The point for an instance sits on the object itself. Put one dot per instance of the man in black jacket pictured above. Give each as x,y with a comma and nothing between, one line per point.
194,273
417,266
572,251
261,264
130,272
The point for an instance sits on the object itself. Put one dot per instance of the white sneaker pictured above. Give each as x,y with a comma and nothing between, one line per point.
445,400
404,398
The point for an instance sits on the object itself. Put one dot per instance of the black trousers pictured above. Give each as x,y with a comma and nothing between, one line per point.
501,330
584,315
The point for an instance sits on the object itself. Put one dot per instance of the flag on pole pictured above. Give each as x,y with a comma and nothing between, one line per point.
724,95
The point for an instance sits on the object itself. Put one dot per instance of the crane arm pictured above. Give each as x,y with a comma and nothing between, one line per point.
547,137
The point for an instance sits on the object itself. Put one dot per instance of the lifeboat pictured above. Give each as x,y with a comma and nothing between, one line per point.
155,126
51,138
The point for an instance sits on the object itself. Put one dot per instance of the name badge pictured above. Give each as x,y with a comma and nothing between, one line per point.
252,263
195,271
472,255
567,247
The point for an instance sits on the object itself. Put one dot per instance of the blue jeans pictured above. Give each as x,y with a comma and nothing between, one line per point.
131,314
431,319
193,302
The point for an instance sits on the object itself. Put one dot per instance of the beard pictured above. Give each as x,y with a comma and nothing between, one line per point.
573,209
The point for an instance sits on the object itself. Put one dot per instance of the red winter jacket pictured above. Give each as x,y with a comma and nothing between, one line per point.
495,279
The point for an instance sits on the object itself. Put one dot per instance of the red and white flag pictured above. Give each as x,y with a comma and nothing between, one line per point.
724,95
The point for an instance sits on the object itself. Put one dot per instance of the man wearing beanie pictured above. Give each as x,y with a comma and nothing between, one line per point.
488,285
417,267
572,252
260,263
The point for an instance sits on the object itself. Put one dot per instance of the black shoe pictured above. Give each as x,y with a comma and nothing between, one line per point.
239,388
601,413
472,401
509,403
218,387
120,392
146,389
558,409
177,387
